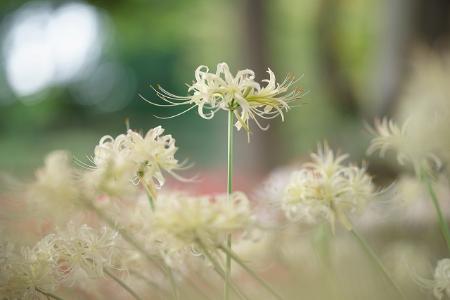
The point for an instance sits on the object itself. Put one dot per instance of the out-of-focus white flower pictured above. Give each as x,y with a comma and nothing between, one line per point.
134,158
82,252
55,189
240,93
113,170
402,140
441,283
25,271
325,189
187,219
424,102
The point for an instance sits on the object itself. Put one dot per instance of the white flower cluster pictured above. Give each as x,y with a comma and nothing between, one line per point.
83,252
441,282
186,218
26,271
240,93
132,158
325,189
65,257
406,144
55,189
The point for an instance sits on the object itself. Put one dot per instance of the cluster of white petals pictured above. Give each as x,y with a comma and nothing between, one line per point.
26,272
83,252
326,189
240,93
54,190
187,219
441,280
68,256
387,135
132,158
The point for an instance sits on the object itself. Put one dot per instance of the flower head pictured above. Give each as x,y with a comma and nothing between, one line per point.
441,283
240,93
26,271
209,219
325,189
55,188
407,145
82,252
131,158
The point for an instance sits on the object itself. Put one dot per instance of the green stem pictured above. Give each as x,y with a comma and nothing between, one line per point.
219,270
122,284
149,196
229,191
149,282
175,291
238,260
441,219
377,261
125,235
48,294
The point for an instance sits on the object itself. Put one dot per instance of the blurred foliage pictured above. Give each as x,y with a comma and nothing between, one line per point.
162,42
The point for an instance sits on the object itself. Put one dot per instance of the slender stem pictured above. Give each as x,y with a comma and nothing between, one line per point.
229,191
441,219
122,284
238,260
125,235
149,196
377,261
149,282
48,294
175,291
219,270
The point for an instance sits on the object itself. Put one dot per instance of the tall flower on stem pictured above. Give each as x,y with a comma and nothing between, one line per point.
135,158
327,190
238,94
243,98
412,147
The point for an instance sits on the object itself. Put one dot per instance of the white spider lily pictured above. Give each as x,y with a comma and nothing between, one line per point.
325,189
82,252
55,189
389,136
441,280
209,219
133,158
241,94
27,271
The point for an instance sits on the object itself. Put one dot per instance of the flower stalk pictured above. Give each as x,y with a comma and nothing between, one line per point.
441,219
229,192
149,196
48,295
218,268
377,262
122,284
239,261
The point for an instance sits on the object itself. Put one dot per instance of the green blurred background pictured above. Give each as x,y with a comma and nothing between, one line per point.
71,71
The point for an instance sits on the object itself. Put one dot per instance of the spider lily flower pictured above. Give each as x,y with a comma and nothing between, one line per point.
441,283
82,252
134,158
326,189
240,93
387,135
54,190
26,271
186,218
